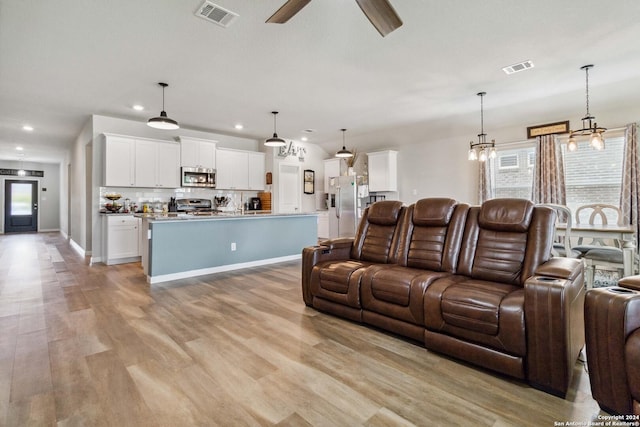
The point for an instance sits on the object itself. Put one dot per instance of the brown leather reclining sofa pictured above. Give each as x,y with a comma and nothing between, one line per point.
612,326
475,283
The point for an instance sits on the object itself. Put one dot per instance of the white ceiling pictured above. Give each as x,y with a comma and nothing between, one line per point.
327,68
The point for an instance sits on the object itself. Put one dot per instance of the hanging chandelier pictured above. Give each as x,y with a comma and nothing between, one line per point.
275,140
482,150
344,153
589,126
162,121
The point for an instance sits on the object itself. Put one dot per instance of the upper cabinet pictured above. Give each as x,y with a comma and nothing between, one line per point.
199,153
256,171
139,162
157,164
383,170
119,161
239,170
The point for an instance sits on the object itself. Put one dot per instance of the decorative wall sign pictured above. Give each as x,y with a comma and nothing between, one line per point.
548,129
14,172
292,150
309,179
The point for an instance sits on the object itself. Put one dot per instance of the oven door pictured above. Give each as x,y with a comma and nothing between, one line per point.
198,177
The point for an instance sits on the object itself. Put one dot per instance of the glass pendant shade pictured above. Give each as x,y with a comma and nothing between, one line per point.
163,121
275,140
572,145
483,156
596,141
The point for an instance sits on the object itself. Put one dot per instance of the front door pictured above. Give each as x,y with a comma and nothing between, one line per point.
20,206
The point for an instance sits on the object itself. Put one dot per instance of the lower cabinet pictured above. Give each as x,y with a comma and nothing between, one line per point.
123,239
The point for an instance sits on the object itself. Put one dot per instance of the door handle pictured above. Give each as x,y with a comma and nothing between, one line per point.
35,206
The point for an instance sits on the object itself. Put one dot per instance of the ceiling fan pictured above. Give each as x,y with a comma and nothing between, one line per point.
380,13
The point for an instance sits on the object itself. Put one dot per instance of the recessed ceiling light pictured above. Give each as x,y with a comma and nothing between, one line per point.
27,128
239,126
19,148
304,138
138,107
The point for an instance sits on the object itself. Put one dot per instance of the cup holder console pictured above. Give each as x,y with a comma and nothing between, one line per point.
619,290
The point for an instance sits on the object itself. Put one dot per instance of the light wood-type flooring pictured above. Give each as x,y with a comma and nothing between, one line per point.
94,345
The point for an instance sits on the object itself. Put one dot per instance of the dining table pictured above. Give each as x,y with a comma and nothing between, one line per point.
626,234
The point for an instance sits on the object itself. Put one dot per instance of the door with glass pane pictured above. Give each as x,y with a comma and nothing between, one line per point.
20,206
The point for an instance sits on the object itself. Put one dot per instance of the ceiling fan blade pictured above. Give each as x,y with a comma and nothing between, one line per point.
286,11
381,14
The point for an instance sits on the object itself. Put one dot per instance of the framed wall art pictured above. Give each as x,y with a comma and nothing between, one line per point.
308,182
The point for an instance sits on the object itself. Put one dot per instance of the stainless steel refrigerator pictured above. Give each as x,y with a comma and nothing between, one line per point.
344,205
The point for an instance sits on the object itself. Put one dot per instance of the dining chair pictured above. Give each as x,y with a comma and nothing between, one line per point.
606,256
562,243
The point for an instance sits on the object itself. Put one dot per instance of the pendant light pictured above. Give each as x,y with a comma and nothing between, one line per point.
482,150
588,128
344,153
275,140
21,171
162,121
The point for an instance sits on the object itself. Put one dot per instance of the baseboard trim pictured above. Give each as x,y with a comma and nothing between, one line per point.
77,248
201,272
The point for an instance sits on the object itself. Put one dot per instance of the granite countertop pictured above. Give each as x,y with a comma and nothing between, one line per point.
173,216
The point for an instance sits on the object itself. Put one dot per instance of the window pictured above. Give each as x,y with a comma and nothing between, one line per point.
591,176
512,179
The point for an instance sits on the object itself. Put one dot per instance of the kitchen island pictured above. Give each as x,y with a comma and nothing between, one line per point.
185,246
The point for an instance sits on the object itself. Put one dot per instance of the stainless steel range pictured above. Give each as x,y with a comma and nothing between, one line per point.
195,206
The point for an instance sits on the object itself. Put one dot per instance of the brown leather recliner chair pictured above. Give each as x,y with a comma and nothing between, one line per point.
612,332
331,272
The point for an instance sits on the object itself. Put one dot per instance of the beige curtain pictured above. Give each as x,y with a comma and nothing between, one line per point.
486,187
548,180
629,203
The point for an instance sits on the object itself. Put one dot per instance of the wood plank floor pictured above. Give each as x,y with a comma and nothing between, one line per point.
94,345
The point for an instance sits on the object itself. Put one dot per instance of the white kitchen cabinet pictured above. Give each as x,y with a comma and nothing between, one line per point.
140,162
240,170
119,161
123,239
199,153
383,170
331,168
157,164
256,171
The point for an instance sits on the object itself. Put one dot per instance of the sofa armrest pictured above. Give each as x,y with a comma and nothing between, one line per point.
554,318
561,268
630,282
326,251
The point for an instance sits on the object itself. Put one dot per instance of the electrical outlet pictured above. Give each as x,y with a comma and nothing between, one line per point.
233,246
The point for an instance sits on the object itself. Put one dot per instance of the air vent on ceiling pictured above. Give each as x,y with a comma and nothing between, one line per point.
216,14
521,66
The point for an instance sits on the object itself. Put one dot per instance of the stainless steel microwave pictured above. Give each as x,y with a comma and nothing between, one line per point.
198,177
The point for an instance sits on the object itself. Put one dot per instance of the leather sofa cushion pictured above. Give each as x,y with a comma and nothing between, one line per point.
483,312
338,281
506,215
433,212
378,243
385,212
474,306
396,291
